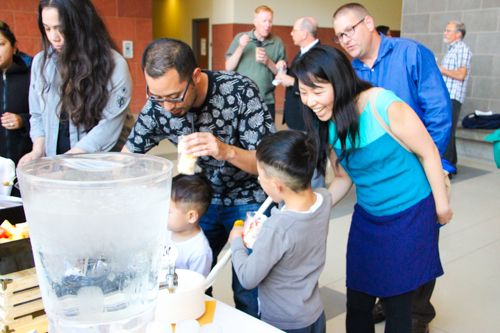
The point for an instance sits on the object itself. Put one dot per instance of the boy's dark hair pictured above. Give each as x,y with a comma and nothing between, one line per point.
289,156
192,192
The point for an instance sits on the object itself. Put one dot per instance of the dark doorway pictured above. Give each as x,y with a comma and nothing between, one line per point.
200,42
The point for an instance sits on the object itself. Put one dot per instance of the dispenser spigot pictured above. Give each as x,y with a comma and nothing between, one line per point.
171,279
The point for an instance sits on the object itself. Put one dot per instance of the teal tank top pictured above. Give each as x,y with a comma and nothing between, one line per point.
388,178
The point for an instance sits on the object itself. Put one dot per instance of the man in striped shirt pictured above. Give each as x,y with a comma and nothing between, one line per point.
455,69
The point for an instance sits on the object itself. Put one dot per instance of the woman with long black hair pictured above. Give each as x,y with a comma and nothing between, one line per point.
80,85
392,247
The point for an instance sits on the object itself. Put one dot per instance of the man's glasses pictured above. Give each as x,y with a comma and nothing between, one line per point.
348,32
168,100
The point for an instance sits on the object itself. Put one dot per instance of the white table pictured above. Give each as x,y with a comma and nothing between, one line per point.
234,321
6,201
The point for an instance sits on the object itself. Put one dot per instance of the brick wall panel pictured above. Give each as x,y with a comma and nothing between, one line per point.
139,47
140,73
138,98
140,80
143,29
26,24
29,45
121,28
291,52
279,96
8,17
106,7
222,31
283,31
131,66
237,28
135,8
326,35
20,5
133,73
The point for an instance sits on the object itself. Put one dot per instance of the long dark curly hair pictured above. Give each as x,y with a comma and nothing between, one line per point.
326,64
85,61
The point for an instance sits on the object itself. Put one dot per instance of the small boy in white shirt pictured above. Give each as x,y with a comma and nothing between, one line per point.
191,196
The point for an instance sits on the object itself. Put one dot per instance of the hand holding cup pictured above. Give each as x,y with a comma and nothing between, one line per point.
261,56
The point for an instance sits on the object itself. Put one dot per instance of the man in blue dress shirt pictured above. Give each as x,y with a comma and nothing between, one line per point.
409,69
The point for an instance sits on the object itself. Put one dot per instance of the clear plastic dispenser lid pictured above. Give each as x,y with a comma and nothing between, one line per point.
96,169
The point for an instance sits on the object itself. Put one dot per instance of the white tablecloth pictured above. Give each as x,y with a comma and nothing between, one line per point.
7,201
234,321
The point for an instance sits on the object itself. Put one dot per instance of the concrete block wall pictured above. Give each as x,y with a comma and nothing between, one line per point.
425,21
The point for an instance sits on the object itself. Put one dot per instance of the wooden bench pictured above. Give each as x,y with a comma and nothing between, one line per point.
470,143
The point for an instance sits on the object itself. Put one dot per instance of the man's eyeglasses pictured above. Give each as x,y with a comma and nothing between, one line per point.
348,32
169,100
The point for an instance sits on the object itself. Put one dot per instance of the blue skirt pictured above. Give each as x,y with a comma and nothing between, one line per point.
394,254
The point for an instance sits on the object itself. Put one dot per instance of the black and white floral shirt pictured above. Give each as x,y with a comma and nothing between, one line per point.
234,112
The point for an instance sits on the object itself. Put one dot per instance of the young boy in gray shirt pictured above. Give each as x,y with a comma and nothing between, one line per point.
290,251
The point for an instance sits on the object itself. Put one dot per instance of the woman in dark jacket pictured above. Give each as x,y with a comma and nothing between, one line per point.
14,107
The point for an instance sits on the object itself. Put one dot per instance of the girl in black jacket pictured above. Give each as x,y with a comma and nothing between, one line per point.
14,108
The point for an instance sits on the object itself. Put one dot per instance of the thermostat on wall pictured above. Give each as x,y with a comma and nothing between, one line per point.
128,49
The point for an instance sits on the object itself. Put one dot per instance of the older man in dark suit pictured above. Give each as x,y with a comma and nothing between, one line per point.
304,35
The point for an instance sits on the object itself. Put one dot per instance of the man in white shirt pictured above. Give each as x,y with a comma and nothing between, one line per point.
455,69
304,35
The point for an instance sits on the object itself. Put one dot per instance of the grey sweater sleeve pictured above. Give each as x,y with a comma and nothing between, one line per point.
267,251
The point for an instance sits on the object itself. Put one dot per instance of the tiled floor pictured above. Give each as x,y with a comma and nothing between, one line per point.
467,297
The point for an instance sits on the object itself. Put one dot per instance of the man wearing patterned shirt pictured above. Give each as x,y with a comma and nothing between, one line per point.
455,70
223,116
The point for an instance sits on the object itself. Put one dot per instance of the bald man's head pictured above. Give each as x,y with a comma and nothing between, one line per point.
309,24
355,31
304,31
355,9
